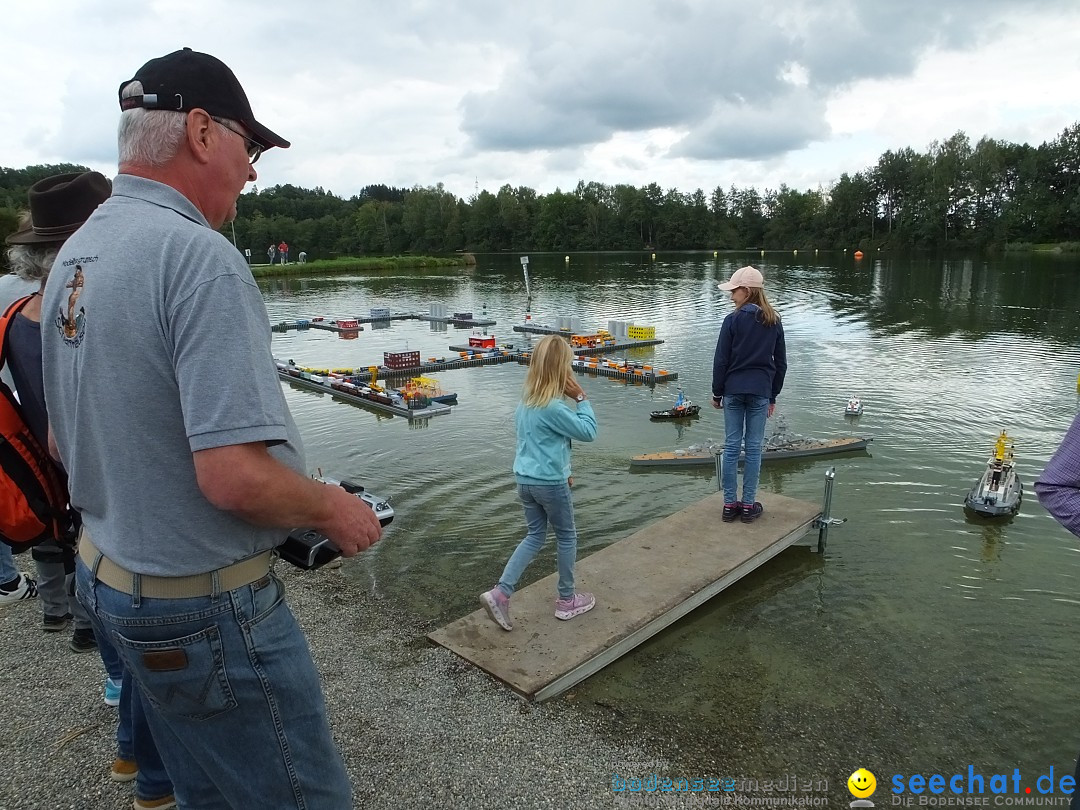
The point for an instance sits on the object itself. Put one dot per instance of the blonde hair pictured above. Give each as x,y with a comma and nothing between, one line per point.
548,368
756,295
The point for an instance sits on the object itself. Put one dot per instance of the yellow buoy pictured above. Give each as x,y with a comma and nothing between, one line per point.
714,254
654,255
568,260
795,252
762,252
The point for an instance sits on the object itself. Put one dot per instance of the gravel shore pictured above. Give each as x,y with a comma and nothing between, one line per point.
418,727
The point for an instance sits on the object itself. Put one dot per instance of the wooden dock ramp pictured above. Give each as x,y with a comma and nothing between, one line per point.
642,583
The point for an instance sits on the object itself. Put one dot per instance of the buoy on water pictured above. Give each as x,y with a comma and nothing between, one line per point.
858,254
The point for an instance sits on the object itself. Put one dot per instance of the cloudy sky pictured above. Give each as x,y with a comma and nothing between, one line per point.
478,93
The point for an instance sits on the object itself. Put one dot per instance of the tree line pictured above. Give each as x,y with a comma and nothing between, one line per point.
953,195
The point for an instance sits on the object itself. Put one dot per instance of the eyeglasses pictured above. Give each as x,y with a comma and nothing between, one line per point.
253,149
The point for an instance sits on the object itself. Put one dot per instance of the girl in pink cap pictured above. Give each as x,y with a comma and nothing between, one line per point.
748,372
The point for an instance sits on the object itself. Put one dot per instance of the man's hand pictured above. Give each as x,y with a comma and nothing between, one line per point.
772,407
246,480
353,526
718,402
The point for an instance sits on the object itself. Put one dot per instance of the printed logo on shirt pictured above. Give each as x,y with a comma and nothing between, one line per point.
72,324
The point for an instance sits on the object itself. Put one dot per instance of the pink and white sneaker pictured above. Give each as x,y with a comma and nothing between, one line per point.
497,605
574,606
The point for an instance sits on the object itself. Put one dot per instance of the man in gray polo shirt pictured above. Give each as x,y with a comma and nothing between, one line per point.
182,457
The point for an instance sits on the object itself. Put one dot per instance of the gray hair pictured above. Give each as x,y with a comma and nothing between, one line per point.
32,262
148,137
151,137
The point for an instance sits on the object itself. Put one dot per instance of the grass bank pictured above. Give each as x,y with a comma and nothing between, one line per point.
358,264
1043,247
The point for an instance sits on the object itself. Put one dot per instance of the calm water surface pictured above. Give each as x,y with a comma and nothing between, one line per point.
921,641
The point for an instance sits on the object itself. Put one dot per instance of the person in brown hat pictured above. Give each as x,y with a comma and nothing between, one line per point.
58,206
202,474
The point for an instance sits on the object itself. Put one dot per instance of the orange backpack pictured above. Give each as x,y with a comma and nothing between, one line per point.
33,491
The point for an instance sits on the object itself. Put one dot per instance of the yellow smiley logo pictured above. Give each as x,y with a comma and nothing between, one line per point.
862,784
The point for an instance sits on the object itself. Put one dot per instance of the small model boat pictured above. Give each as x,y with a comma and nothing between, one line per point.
853,407
998,492
780,445
682,409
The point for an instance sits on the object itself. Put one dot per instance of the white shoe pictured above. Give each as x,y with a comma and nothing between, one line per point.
26,589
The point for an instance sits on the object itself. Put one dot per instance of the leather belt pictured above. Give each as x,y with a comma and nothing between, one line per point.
240,573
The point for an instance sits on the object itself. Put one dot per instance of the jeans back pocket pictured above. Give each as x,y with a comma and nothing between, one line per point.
185,676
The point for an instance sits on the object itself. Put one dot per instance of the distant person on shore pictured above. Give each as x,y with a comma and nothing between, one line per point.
748,372
283,251
1058,489
58,206
545,427
187,472
271,252
302,257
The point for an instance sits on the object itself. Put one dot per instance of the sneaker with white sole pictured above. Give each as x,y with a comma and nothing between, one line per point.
574,606
497,605
112,692
25,588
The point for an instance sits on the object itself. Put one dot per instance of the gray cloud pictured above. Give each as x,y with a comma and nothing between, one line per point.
713,69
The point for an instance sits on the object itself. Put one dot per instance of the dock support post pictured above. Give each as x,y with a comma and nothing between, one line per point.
826,511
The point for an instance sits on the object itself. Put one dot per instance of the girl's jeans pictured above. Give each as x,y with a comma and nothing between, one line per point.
549,503
744,421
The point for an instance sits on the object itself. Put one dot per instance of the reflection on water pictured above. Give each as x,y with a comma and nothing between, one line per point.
922,640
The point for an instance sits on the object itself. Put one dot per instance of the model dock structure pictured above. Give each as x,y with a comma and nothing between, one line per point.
349,388
437,314
643,584
619,335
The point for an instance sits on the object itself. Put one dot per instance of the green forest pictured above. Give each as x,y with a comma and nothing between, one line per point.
990,196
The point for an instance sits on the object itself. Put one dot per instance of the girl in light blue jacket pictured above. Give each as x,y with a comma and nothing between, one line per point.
545,426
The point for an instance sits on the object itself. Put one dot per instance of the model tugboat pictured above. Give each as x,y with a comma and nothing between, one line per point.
998,492
853,407
682,409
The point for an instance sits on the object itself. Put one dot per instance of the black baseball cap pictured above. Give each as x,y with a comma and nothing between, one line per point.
186,79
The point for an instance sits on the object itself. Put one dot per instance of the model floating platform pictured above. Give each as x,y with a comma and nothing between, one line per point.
412,402
353,323
622,370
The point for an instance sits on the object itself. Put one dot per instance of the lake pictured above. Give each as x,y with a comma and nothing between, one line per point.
921,641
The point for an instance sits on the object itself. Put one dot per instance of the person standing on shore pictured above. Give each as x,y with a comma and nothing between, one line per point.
58,205
545,427
749,367
1058,490
271,252
183,458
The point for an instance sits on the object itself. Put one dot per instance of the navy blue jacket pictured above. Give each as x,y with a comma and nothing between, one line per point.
750,358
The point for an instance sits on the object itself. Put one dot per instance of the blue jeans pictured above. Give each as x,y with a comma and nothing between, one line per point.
134,742
744,422
544,504
8,569
231,694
